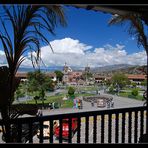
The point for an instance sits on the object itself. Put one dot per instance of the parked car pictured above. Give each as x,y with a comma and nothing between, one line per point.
65,128
46,129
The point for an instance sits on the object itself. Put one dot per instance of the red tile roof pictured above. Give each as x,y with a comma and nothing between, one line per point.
132,76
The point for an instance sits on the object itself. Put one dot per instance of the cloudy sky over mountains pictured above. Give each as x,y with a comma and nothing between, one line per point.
88,40
75,53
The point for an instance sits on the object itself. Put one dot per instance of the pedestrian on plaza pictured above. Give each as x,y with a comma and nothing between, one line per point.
39,113
108,104
92,103
112,103
81,104
76,102
53,105
50,105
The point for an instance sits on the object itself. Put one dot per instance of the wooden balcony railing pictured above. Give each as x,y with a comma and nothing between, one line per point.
124,125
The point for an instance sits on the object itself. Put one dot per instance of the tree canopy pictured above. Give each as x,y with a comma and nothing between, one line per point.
38,81
119,79
28,24
59,75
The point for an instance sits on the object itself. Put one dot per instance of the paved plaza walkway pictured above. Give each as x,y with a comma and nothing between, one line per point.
119,102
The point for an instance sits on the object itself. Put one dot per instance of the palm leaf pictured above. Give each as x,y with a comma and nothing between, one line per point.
136,27
28,23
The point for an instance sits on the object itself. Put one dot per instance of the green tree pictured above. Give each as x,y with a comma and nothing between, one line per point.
134,92
107,82
19,93
36,98
144,83
59,75
39,82
28,23
111,89
71,91
119,80
134,84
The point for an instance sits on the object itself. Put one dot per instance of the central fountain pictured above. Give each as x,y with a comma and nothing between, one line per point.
101,100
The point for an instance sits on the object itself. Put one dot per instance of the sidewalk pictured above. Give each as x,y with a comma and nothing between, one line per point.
119,102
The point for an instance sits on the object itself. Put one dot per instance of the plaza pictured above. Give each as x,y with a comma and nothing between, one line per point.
119,102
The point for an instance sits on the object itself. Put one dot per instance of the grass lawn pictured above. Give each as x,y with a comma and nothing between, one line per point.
58,99
88,88
128,95
84,88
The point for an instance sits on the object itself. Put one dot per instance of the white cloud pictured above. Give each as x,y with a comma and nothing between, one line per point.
110,55
80,55
75,53
68,45
2,58
27,63
2,52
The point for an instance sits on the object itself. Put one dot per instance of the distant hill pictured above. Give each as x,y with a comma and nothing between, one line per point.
124,68
110,68
50,69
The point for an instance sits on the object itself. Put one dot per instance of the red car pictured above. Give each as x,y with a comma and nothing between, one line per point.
65,128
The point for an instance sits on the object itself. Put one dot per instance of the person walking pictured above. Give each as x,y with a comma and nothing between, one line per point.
53,105
92,103
79,104
39,113
112,104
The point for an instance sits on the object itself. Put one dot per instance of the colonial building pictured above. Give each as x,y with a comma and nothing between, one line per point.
23,75
136,78
71,76
99,78
66,70
74,76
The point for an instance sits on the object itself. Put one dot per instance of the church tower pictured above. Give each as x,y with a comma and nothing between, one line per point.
65,72
86,72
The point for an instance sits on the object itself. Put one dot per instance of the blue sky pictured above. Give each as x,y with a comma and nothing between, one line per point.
88,39
92,28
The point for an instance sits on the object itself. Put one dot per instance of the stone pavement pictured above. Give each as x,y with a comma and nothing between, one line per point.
119,102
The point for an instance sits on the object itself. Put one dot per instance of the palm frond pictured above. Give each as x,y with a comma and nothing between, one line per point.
28,23
136,27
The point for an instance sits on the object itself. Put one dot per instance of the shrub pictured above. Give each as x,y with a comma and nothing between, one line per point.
111,89
71,91
134,92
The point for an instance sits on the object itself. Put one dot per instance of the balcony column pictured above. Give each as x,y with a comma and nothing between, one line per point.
145,136
147,101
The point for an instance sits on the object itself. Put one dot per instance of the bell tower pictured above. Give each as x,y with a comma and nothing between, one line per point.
65,72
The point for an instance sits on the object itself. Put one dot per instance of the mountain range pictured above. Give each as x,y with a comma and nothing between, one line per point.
125,68
110,68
